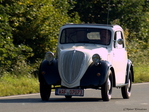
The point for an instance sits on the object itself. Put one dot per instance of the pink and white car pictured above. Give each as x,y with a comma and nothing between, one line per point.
88,56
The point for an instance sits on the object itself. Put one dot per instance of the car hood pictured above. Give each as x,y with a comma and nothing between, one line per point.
88,49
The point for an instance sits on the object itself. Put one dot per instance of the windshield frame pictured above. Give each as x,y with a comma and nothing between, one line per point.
68,33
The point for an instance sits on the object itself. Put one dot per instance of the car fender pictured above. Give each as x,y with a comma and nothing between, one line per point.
96,75
49,72
129,69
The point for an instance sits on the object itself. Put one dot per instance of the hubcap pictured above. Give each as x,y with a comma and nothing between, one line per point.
109,88
129,88
109,84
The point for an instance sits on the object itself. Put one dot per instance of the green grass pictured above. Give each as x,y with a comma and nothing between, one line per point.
11,85
141,73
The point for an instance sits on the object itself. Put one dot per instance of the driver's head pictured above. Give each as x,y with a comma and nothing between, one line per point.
105,36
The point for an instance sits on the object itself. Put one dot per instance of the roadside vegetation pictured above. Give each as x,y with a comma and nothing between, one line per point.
141,73
12,85
29,28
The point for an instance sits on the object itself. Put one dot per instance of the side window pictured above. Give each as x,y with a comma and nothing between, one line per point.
63,37
118,35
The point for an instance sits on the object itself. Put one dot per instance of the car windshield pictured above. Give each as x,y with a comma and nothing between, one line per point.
85,35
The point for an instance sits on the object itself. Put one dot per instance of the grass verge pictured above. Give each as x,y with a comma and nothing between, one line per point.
141,73
11,85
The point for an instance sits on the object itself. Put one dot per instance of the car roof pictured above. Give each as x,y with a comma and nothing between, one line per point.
90,24
108,26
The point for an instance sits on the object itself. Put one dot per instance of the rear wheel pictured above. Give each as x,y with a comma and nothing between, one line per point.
45,91
126,90
106,89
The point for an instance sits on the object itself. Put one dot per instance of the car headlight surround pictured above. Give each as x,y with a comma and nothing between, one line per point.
49,57
96,59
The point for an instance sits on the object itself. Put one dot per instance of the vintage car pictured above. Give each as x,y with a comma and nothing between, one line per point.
88,56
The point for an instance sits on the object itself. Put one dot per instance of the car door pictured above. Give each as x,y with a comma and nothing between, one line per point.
119,59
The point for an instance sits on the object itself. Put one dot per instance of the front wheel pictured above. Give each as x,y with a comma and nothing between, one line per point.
126,90
106,89
45,91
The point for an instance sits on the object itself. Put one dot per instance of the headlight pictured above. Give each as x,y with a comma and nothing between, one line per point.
49,56
96,59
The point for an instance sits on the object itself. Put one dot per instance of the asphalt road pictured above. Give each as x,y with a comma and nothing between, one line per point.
91,102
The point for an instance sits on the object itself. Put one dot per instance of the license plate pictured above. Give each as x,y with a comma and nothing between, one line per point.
69,92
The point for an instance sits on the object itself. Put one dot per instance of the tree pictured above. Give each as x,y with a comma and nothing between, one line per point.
36,23
130,14
9,53
32,28
5,41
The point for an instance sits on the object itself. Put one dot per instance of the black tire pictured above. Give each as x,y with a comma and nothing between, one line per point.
68,97
45,91
126,90
106,89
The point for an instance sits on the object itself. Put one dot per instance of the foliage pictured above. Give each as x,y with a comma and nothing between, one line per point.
9,54
138,51
5,34
36,24
130,14
31,28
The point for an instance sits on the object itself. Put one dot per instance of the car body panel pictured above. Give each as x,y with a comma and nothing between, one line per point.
50,72
95,76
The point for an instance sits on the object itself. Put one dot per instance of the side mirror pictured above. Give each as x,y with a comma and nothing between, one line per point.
120,41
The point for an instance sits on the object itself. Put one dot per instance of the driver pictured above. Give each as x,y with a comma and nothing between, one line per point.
105,36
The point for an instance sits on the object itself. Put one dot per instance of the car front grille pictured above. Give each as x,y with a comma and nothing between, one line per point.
71,64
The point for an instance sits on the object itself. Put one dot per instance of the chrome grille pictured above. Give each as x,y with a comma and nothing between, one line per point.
72,63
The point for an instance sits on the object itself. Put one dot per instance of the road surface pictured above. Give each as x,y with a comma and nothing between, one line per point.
91,102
